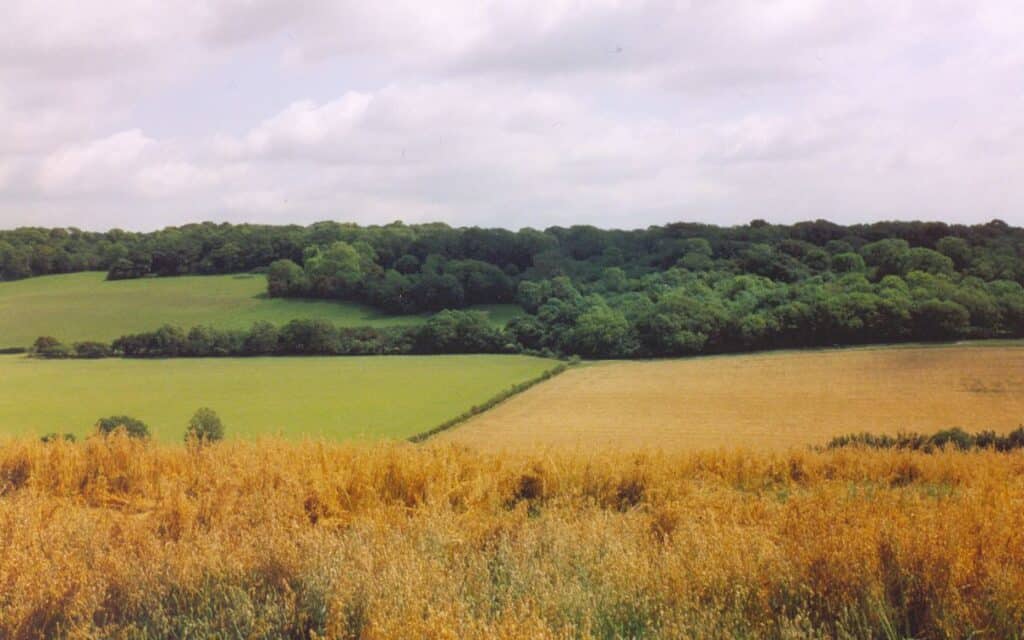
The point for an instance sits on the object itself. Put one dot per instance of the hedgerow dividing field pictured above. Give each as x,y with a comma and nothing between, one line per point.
763,401
85,306
368,397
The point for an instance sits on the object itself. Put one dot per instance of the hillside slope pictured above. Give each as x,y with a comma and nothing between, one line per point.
85,306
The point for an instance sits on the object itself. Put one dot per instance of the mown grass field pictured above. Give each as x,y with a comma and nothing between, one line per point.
331,397
84,306
763,401
112,538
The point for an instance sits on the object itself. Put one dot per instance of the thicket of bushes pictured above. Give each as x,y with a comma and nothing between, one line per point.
956,438
133,427
445,332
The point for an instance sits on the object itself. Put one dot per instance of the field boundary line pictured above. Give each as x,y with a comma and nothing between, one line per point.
494,401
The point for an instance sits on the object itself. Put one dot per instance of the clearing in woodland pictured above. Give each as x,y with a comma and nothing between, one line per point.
763,401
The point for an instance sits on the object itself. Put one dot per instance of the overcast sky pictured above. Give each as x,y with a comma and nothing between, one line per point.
144,113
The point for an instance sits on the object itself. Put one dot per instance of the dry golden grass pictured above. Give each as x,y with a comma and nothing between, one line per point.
114,538
764,401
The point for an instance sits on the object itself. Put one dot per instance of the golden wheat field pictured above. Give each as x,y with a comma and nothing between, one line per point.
763,401
115,538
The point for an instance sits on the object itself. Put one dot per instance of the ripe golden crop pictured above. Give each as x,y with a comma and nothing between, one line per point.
765,401
116,538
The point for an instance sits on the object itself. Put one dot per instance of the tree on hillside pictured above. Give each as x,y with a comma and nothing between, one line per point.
888,257
848,262
334,272
137,266
956,249
602,332
941,320
285,278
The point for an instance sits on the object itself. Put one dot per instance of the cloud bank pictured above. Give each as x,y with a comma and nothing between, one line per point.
143,114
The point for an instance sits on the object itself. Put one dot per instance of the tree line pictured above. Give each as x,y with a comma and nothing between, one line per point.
445,332
678,312
989,251
670,290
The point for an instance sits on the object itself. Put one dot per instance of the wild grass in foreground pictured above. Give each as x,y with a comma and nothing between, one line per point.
115,538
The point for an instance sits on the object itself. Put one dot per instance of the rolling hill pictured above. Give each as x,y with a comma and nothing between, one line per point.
85,306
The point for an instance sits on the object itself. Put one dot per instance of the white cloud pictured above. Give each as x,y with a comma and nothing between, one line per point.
174,178
126,163
305,125
96,164
138,114
512,156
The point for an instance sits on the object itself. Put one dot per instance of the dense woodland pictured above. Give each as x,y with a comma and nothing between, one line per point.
670,290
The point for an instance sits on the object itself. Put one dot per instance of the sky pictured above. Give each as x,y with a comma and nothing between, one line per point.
139,114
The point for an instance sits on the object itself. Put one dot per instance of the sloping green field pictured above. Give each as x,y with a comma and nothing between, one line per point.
331,397
84,306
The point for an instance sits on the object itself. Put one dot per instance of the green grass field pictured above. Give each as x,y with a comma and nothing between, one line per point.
84,306
333,397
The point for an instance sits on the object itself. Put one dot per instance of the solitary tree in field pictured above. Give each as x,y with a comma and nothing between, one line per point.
205,426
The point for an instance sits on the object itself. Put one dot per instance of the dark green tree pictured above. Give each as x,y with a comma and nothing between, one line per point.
204,426
132,426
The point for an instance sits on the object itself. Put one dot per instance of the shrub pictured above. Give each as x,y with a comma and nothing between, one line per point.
261,339
946,439
49,347
205,426
955,436
91,349
133,426
54,437
458,332
309,337
1012,440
